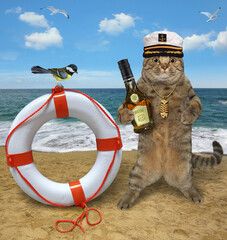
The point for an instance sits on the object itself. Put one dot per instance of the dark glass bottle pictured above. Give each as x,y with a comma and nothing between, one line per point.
135,100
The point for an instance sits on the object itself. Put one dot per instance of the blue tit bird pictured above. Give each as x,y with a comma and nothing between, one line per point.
59,73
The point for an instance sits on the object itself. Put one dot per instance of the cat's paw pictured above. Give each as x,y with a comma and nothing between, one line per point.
189,115
127,200
193,195
125,116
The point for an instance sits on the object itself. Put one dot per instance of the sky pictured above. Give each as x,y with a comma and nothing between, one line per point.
100,33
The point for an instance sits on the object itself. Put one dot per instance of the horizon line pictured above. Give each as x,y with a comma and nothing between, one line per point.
99,88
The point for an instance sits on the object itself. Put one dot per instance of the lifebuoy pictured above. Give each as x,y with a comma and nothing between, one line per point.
62,104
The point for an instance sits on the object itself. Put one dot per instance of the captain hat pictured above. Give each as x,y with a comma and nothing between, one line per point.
163,43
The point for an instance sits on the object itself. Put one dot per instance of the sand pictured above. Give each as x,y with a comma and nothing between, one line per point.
161,212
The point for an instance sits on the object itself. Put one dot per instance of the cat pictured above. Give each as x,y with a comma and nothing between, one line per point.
166,150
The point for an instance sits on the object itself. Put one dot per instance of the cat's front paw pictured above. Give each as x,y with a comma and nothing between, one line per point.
125,116
127,200
189,115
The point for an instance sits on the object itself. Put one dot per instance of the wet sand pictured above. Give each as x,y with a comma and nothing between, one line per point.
161,212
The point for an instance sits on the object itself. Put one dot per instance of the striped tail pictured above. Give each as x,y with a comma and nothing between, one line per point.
210,161
38,70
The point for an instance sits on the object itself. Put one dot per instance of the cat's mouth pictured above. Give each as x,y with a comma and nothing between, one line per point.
163,76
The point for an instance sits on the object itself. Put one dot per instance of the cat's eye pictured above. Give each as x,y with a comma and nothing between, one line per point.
173,60
155,60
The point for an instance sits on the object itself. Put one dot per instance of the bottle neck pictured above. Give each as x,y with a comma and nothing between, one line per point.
130,83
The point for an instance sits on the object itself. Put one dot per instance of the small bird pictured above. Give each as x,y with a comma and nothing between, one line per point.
211,16
54,10
59,73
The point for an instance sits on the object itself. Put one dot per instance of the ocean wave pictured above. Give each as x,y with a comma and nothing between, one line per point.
75,136
58,136
203,137
223,102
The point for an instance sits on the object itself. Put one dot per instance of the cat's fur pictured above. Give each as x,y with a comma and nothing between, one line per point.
166,150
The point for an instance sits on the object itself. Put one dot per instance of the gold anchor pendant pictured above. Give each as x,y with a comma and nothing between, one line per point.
164,108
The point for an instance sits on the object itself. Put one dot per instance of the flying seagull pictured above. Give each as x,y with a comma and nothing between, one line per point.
56,11
210,16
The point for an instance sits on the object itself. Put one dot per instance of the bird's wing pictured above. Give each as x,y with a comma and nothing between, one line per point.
64,12
217,11
59,72
63,75
50,8
206,14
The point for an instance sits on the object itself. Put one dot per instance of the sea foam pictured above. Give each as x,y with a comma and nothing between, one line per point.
67,136
223,102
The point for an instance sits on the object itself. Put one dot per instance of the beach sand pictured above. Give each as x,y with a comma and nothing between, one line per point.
161,212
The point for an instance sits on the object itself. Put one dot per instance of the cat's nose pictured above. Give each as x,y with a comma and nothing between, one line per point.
165,67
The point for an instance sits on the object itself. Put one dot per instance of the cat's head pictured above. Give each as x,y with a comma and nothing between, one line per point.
162,69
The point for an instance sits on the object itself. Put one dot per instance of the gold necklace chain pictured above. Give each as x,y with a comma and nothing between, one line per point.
164,103
164,97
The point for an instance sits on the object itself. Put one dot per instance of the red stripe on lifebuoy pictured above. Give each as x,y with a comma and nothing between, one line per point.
61,106
20,159
109,144
77,192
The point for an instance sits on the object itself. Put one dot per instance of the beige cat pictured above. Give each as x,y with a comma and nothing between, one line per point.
166,150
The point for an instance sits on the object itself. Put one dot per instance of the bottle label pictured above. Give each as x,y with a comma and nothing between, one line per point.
141,115
134,98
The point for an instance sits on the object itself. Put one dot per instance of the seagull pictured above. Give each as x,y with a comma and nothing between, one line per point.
54,10
210,16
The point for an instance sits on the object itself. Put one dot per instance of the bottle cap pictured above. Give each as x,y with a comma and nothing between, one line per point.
126,71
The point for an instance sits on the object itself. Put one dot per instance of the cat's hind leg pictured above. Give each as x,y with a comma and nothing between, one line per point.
179,175
192,194
140,176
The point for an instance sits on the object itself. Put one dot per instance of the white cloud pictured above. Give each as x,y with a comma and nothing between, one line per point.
203,41
14,10
40,41
34,19
117,25
198,42
220,44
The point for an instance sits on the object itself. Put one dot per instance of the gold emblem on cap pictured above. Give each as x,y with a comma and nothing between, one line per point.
162,37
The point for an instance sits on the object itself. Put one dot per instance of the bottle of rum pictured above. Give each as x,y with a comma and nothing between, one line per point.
135,100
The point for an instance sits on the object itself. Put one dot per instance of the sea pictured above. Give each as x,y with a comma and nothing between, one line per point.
69,134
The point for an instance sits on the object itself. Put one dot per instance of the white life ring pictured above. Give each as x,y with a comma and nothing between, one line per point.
27,176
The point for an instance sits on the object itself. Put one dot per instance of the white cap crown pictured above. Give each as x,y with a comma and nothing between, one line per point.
163,43
163,37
